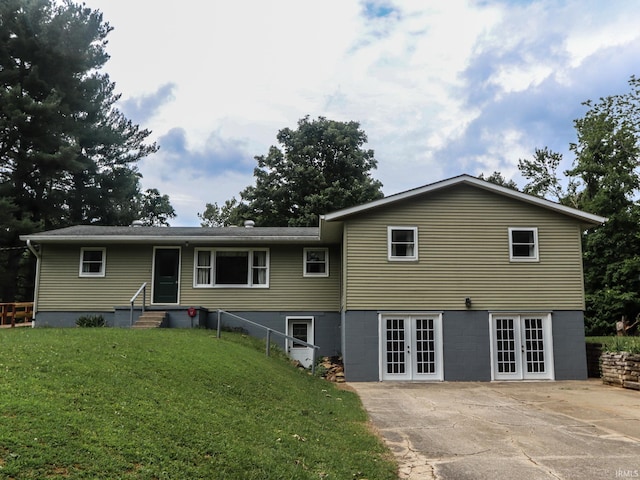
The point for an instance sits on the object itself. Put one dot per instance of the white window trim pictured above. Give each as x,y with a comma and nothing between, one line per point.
536,256
412,258
103,266
213,251
305,263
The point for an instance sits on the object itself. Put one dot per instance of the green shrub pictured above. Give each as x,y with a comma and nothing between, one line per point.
91,321
617,344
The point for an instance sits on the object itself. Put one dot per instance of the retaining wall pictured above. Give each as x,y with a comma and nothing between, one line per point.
621,369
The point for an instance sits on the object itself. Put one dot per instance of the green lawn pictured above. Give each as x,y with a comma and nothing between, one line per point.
172,404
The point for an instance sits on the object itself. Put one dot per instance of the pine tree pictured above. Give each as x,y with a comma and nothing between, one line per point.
67,155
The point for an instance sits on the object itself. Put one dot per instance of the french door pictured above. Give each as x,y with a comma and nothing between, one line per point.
411,347
522,347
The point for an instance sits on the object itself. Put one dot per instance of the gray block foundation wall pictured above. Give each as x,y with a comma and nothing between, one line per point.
569,346
466,340
68,319
326,324
326,327
466,346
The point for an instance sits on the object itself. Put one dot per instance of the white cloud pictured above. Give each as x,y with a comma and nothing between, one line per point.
440,88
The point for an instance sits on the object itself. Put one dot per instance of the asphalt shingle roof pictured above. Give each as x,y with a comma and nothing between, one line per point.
194,234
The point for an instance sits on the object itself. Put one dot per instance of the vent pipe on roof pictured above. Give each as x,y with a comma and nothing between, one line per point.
249,224
137,223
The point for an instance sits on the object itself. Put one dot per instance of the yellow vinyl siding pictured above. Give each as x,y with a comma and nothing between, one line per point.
128,266
62,289
463,252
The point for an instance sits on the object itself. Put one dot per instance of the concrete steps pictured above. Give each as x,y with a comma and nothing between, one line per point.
150,319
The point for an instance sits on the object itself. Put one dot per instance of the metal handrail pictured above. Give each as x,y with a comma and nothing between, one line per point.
143,289
269,332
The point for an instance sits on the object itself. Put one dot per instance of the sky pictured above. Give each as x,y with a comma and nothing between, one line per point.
441,88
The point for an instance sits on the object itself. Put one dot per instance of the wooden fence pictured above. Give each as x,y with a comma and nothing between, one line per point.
17,314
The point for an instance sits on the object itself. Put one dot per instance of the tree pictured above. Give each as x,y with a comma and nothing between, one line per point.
155,209
498,179
321,167
607,154
215,216
544,178
67,155
603,180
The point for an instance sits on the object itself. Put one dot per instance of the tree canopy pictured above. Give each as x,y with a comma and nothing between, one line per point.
320,167
604,180
499,179
67,154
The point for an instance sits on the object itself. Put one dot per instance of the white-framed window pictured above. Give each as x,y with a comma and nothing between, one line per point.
402,243
316,262
93,262
523,244
231,267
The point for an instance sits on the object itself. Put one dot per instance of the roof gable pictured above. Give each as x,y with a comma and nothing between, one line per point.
584,217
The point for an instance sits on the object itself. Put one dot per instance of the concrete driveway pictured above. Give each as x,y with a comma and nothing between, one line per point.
533,430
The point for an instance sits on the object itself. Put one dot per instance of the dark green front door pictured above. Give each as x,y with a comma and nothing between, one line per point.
166,264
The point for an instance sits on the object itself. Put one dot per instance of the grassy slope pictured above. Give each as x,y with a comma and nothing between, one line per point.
114,403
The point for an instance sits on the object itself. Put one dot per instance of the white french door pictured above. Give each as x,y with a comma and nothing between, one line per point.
522,347
411,347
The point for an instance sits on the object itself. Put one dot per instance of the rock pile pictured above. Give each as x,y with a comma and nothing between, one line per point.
621,369
333,369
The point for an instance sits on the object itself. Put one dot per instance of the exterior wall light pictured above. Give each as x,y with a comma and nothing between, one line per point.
467,302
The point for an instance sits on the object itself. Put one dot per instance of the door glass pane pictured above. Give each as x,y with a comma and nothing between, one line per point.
166,262
395,344
505,345
299,331
425,345
534,345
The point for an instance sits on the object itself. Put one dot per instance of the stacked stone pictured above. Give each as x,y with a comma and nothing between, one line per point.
334,370
621,369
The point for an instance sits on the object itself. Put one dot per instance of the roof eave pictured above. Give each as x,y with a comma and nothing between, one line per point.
161,239
587,218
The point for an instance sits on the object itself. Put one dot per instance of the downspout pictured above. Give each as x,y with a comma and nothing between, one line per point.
36,288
